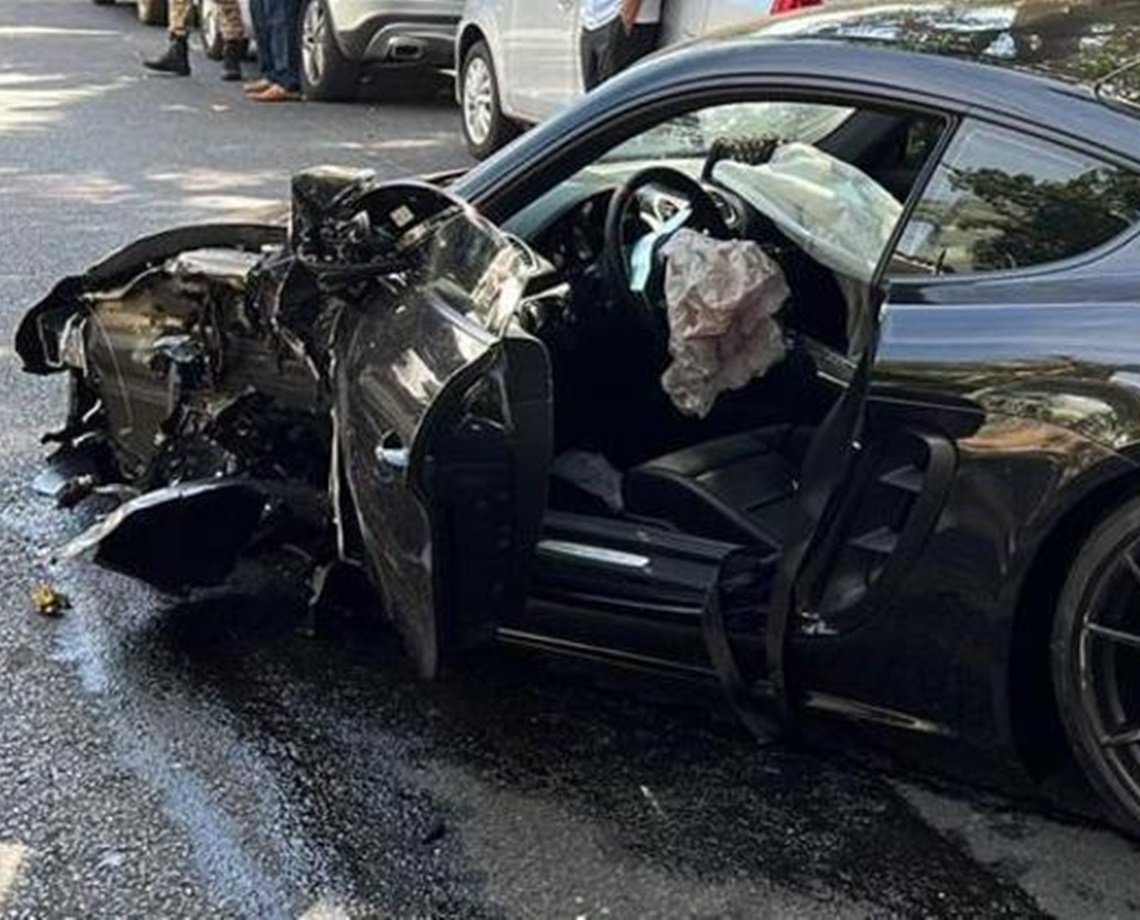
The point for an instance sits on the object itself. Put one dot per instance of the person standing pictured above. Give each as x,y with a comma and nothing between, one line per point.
176,59
615,34
278,51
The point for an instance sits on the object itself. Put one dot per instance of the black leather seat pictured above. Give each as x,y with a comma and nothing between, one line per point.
737,488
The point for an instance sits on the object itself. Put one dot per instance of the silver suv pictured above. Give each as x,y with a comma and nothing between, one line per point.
342,39
518,60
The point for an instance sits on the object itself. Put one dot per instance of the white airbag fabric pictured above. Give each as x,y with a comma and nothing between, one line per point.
837,214
723,297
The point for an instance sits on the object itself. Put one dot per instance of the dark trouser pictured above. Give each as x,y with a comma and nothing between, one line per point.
610,50
278,47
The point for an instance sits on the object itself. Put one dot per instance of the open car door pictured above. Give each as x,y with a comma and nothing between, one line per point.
869,490
443,417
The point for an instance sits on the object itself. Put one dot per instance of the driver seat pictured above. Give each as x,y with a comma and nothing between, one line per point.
739,489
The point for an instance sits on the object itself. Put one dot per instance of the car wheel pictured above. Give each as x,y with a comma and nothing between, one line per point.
1096,662
485,128
152,12
326,74
103,2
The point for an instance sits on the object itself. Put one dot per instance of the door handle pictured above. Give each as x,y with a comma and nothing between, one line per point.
392,455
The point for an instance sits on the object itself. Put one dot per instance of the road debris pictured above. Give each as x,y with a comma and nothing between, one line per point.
50,602
652,800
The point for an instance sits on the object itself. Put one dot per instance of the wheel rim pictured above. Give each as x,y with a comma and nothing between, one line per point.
478,100
210,24
1106,669
314,30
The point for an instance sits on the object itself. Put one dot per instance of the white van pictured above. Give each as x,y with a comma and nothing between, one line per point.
518,61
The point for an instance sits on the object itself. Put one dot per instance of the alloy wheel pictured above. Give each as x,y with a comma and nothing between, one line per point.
314,33
1104,666
478,99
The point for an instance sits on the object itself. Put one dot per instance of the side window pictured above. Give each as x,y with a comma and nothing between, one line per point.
1000,200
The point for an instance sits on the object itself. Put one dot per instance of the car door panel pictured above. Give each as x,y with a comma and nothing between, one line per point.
442,414
540,49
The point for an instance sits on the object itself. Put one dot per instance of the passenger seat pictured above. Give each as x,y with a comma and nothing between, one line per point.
738,488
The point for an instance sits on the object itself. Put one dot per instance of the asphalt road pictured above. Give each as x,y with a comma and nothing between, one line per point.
211,760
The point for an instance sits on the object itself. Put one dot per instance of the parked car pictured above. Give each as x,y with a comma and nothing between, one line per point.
802,360
341,40
345,41
150,12
518,61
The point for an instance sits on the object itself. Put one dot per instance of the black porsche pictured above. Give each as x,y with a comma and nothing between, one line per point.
805,359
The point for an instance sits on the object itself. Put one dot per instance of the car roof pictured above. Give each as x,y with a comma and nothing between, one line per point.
1078,42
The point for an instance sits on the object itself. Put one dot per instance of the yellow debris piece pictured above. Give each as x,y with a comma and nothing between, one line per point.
49,602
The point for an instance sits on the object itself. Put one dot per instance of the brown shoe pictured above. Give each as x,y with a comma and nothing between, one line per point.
257,86
276,93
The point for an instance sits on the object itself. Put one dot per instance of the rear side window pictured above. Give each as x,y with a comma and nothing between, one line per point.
1000,201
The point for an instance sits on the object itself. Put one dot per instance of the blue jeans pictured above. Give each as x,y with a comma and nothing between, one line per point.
278,42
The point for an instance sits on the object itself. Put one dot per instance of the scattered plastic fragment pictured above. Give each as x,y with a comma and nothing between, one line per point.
652,800
49,602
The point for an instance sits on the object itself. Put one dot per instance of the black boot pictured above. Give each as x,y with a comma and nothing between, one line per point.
175,60
231,61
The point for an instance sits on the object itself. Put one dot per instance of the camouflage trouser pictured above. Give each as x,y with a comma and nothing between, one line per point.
178,16
229,18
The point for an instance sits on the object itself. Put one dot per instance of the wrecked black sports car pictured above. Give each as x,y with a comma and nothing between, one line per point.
805,359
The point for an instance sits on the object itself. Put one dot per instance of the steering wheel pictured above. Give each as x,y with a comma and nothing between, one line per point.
634,265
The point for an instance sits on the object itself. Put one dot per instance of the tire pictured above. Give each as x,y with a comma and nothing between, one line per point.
485,127
152,12
326,74
103,2
1095,672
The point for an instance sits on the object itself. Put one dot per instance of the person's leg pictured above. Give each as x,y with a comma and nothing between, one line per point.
178,17
233,38
292,15
176,59
635,45
229,16
591,45
259,13
587,60
611,40
285,77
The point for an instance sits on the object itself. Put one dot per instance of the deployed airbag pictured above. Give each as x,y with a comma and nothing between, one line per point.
838,215
723,297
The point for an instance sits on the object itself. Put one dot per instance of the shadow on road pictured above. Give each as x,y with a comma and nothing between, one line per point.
652,786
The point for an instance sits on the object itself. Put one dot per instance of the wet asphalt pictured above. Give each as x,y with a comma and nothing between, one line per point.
213,759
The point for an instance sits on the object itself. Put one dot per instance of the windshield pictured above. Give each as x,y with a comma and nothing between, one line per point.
691,136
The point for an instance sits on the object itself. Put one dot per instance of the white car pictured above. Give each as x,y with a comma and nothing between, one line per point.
518,61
